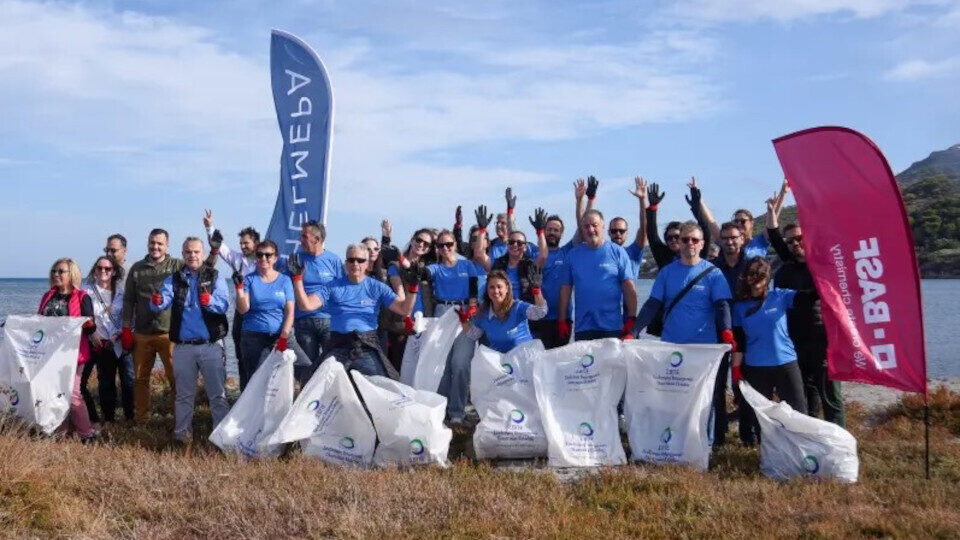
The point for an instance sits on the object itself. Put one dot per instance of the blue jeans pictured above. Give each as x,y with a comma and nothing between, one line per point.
595,334
313,335
125,368
368,363
455,383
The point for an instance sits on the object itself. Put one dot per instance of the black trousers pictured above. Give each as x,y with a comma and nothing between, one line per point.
787,383
106,362
238,348
547,332
720,419
819,390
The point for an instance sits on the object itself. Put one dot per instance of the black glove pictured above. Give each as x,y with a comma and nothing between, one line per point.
655,195
458,218
483,219
216,240
539,219
511,199
694,199
237,278
293,265
592,185
205,279
411,276
535,276
389,255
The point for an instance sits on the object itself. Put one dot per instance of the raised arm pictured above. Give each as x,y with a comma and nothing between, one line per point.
411,277
220,250
661,252
243,297
640,192
580,207
479,246
694,200
511,204
592,185
539,222
306,302
772,230
706,214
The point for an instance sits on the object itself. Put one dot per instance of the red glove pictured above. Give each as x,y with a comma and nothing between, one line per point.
737,374
204,298
126,338
408,325
653,207
627,331
727,337
465,315
297,277
88,324
535,291
281,344
564,330
157,299
413,288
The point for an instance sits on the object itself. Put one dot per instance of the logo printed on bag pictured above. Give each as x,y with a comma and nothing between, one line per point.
314,405
37,337
778,423
585,429
507,368
811,464
347,442
676,358
586,361
12,397
517,416
416,447
666,435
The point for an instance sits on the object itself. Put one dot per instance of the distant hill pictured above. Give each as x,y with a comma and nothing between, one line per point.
941,163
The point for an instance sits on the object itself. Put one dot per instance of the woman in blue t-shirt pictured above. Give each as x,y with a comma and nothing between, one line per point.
502,318
768,360
265,299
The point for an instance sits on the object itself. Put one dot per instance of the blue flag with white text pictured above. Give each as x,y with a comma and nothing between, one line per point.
304,102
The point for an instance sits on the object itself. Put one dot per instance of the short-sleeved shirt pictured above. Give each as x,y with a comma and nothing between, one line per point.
452,283
553,279
597,276
418,304
635,253
318,270
768,340
498,248
267,301
693,319
354,306
505,334
756,247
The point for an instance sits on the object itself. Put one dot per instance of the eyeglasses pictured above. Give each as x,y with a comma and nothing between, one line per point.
516,242
104,268
672,237
421,241
356,260
691,240
618,231
265,254
448,245
794,239
110,251
59,272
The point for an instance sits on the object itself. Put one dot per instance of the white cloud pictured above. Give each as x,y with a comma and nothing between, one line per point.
918,69
783,10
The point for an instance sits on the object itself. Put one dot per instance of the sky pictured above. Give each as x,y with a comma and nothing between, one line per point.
124,116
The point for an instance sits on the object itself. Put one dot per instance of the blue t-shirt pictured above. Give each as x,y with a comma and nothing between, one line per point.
452,283
635,253
756,247
418,304
768,342
498,248
267,301
504,335
354,306
553,279
597,276
318,270
693,319
514,277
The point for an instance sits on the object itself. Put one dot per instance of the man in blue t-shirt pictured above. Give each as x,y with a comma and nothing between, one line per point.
546,329
353,302
598,273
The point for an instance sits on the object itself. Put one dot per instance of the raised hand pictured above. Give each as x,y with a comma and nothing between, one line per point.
592,185
216,240
458,218
511,200
294,266
656,195
535,276
694,198
386,229
640,189
208,218
483,219
237,278
539,220
579,188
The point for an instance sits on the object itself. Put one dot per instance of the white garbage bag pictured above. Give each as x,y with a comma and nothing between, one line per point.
38,364
578,387
435,344
669,399
409,422
329,419
501,386
258,412
411,351
794,444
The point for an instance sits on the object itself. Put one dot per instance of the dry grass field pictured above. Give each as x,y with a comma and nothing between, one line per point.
133,484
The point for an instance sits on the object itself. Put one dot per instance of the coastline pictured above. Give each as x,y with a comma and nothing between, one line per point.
874,398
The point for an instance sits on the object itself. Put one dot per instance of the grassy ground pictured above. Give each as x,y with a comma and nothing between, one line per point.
136,484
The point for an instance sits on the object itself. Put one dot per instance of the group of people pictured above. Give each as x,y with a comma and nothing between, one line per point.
505,289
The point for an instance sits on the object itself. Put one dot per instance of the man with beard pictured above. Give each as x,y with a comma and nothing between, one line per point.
805,323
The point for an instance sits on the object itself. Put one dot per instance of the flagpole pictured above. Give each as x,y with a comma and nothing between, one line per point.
926,429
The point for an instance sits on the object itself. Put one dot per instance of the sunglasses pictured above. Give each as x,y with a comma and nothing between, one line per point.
794,239
672,237
448,245
59,272
104,268
421,242
618,231
110,251
516,242
356,260
691,240
265,254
